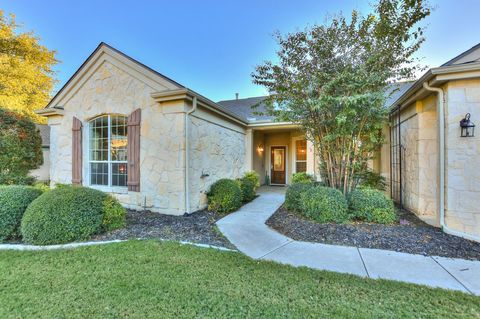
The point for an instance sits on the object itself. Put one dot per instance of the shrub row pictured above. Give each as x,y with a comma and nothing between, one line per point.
227,195
57,216
328,205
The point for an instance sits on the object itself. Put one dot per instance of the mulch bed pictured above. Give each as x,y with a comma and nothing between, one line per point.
411,235
198,227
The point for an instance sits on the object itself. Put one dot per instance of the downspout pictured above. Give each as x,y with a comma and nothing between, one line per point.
441,168
187,156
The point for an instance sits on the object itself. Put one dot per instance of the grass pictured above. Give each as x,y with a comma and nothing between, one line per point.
151,279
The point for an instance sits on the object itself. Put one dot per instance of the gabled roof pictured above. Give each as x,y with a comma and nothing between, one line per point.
469,56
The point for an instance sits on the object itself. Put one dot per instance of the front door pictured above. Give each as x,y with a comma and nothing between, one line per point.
278,169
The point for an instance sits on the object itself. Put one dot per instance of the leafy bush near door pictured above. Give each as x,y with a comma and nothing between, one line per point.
69,213
14,200
324,204
254,177
293,196
225,196
371,205
302,178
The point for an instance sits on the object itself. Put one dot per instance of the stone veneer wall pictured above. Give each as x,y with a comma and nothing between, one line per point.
216,150
462,158
112,90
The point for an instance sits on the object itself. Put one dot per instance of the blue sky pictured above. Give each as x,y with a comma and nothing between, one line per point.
212,46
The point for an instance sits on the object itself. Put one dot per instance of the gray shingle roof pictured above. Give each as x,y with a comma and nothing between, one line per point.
44,133
396,90
243,108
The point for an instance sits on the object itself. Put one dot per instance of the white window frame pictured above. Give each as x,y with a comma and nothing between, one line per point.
105,188
300,138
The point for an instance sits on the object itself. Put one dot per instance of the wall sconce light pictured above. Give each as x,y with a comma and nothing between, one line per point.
467,127
260,148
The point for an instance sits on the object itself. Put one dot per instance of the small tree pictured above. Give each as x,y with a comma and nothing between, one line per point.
331,79
20,148
26,74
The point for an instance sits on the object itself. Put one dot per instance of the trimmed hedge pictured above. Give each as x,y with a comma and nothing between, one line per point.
69,213
113,214
14,200
371,205
302,178
324,204
225,196
292,197
248,189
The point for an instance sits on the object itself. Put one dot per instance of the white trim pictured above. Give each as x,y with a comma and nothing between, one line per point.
270,164
294,150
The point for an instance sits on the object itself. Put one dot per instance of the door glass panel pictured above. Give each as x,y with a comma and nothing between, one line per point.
278,160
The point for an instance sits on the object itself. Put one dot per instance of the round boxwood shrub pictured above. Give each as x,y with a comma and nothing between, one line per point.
324,204
14,200
292,197
248,189
253,176
371,205
113,214
63,215
225,196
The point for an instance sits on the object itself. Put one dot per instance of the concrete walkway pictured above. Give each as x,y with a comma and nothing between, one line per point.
246,229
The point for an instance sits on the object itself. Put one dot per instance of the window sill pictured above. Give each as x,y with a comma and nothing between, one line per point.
114,190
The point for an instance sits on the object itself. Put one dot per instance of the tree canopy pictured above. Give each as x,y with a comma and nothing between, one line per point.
26,74
332,78
20,148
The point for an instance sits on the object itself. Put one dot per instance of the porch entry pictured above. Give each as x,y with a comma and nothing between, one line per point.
278,165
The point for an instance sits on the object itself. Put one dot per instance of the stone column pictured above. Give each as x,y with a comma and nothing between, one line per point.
249,150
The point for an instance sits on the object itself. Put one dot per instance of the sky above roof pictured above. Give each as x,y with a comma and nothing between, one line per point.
212,46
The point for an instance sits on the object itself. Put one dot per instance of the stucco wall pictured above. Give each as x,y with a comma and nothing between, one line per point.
111,89
259,156
462,158
217,149
43,172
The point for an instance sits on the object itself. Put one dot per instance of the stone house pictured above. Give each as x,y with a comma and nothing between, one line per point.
180,142
431,169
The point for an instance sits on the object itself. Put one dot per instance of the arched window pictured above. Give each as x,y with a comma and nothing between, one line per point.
108,151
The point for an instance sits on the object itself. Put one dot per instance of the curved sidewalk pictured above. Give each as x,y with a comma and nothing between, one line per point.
246,229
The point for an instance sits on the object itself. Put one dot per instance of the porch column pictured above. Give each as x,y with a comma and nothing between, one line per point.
310,158
249,150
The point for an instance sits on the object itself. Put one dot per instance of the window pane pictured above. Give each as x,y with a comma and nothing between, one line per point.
301,167
119,174
99,139
99,174
301,149
118,138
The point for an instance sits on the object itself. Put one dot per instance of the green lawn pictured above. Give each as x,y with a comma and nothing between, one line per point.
150,279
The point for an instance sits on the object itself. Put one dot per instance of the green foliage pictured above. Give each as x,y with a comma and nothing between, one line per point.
248,189
63,215
371,205
293,195
225,196
20,148
324,204
253,176
14,200
302,177
113,214
43,186
337,94
26,69
372,179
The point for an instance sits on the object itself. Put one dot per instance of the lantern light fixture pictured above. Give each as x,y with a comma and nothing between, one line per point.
260,148
467,127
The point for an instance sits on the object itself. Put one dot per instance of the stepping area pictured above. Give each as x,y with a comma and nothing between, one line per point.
246,229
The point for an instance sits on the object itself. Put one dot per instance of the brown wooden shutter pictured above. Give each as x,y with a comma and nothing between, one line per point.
133,151
76,152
